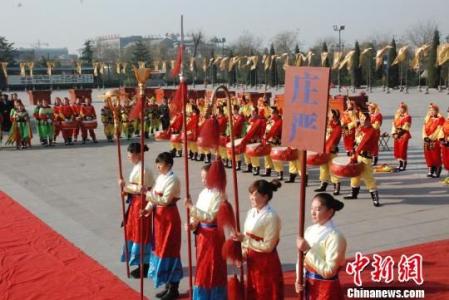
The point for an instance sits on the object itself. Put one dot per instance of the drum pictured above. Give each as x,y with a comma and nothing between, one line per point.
344,167
92,124
317,159
284,153
258,149
69,124
162,135
176,138
238,146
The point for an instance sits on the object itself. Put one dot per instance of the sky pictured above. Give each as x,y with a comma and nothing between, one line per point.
68,23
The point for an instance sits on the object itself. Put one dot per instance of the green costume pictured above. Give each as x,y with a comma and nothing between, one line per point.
47,126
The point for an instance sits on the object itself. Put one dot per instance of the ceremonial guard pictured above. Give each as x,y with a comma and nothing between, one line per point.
107,118
273,133
376,122
76,108
46,116
175,129
401,135
333,136
165,265
364,154
87,117
127,124
57,117
38,121
67,116
324,249
136,235
433,124
261,235
192,128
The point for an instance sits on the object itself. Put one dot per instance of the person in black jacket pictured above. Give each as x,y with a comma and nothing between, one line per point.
164,114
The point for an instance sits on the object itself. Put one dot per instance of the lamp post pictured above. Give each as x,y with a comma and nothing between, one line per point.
339,28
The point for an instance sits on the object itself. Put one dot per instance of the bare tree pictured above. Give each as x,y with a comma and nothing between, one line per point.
197,38
421,33
285,41
247,44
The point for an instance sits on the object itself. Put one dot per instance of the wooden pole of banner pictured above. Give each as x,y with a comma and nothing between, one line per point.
186,163
302,208
142,182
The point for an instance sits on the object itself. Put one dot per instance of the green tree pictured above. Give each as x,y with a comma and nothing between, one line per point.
433,71
324,50
87,54
7,51
356,72
141,53
273,70
296,48
393,71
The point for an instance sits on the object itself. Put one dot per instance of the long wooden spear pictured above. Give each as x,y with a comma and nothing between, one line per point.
115,110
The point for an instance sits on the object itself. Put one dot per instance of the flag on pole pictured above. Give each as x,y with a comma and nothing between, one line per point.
402,56
177,67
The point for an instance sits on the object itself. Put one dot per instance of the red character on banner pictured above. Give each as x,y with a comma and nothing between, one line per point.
410,268
357,266
383,269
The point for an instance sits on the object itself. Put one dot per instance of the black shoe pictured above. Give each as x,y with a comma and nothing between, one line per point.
239,166
404,166
354,193
375,159
172,292
163,292
292,178
336,189
256,171
195,156
322,188
202,157
249,169
375,197
267,173
173,152
438,172
190,154
136,273
84,141
180,153
430,171
208,158
401,165
281,175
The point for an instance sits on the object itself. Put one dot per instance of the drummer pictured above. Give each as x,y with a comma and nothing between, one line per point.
255,132
364,155
333,136
87,113
349,122
273,132
57,117
237,128
67,115
192,132
76,108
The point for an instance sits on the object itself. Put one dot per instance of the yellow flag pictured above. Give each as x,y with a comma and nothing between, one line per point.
102,67
5,69
124,66
286,61
380,55
443,54
22,69
217,61
50,66
95,65
30,66
299,59
324,56
156,65
141,64
164,67
255,60
337,60
420,53
205,64
309,56
118,68
224,63
172,64
192,65
233,62
348,61
401,56
365,55
266,61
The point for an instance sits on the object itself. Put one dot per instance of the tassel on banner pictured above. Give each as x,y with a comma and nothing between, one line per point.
216,176
5,69
235,290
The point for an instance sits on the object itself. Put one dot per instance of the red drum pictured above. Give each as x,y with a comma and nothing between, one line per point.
344,167
284,153
92,124
258,149
223,140
69,124
317,159
176,138
238,146
162,136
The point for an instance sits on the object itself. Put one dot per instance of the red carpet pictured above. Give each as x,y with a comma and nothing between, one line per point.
38,263
435,272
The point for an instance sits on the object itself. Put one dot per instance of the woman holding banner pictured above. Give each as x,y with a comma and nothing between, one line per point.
324,250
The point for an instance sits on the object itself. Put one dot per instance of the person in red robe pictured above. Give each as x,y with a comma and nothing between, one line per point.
433,124
76,108
67,115
401,135
87,113
376,122
273,132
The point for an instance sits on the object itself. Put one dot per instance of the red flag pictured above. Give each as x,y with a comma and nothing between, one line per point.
177,68
180,97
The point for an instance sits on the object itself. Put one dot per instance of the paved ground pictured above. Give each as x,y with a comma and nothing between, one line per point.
74,190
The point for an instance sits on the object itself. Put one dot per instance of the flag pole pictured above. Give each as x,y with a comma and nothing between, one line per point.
186,161
302,205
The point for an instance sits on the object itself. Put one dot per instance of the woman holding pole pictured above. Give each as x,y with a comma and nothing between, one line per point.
324,249
137,235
